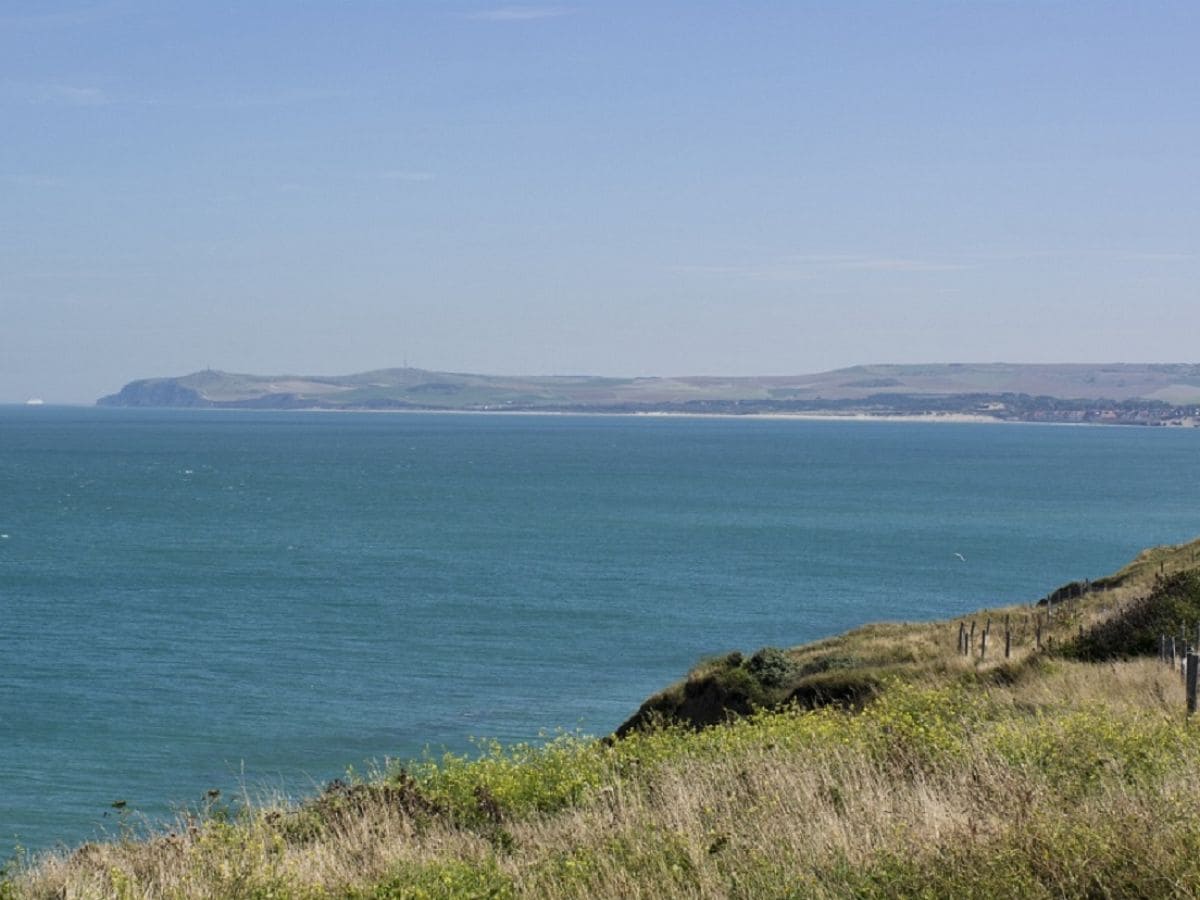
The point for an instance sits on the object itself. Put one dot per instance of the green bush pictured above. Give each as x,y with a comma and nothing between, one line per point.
503,782
771,667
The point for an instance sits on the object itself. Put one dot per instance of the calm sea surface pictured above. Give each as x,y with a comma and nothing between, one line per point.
194,600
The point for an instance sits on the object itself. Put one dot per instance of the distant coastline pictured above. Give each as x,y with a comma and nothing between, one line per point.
1115,394
914,418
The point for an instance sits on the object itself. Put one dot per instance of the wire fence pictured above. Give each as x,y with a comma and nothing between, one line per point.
1021,630
1176,652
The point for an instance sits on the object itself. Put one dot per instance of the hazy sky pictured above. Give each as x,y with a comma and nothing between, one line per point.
612,188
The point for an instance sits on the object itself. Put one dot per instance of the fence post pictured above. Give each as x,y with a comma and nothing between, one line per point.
971,640
983,645
1193,665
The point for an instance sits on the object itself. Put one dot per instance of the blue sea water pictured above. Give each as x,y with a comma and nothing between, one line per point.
196,600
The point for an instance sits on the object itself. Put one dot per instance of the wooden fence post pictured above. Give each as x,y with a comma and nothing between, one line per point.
1193,665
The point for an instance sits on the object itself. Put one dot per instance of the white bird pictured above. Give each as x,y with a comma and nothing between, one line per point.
960,556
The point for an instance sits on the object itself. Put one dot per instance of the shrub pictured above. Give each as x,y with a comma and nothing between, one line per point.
1135,631
771,667
502,782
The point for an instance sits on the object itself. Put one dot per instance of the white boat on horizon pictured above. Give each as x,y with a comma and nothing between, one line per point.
35,401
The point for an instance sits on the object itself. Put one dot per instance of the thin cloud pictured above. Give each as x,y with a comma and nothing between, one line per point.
22,179
808,267
521,13
65,18
53,94
319,181
280,98
890,264
707,270
867,263
1159,257
775,272
405,175
63,275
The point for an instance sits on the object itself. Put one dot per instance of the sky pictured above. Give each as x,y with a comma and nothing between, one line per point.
616,188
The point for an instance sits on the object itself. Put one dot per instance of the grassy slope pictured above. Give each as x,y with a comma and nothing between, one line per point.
849,669
1042,775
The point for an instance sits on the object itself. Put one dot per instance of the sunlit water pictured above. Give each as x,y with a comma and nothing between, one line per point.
195,600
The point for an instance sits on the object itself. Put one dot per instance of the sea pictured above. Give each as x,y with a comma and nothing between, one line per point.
257,602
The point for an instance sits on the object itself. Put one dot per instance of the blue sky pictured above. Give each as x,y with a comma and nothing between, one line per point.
610,188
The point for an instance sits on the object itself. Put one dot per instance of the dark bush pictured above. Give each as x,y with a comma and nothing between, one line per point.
1135,630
